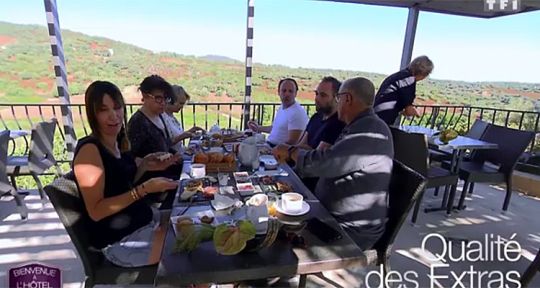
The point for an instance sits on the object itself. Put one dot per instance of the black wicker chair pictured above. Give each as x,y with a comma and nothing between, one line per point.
406,186
531,271
411,149
65,197
511,145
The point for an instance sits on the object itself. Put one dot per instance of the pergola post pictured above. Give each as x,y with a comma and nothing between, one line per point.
249,61
410,34
57,49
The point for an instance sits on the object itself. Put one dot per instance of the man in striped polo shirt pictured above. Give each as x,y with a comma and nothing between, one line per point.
397,91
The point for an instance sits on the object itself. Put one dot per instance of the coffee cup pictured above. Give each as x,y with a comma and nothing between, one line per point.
292,202
258,200
198,170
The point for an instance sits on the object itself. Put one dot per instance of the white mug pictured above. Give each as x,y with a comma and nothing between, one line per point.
292,202
258,200
198,170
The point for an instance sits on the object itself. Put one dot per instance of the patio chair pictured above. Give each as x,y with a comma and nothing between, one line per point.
66,200
5,187
512,143
39,158
477,130
406,186
533,268
411,149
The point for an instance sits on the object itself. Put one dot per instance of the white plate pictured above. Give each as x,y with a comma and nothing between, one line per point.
135,244
304,210
278,172
196,221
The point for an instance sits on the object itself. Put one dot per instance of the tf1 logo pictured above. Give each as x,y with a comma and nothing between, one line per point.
502,5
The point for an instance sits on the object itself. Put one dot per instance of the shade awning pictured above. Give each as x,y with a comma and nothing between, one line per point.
470,8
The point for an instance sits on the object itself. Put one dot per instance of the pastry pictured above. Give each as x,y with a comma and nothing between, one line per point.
207,219
201,158
194,185
284,186
228,158
215,157
209,191
267,180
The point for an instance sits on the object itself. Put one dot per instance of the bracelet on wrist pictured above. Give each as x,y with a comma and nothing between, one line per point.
134,195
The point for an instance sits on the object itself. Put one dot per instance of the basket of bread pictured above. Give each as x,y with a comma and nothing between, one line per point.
216,161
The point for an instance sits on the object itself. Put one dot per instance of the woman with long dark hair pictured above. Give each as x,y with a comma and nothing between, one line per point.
106,174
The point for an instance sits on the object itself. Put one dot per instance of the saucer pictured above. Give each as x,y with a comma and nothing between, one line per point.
304,210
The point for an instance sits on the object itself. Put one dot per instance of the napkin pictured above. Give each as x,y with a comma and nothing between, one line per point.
221,202
226,190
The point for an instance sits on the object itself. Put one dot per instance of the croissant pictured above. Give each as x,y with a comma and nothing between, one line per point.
215,157
201,158
228,158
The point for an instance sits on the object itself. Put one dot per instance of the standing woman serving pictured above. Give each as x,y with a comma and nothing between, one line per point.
106,174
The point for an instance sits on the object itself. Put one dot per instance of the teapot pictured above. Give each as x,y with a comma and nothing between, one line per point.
215,129
248,152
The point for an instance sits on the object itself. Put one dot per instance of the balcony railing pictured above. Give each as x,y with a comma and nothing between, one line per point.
229,115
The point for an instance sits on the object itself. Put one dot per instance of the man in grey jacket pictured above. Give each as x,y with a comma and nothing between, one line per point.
355,172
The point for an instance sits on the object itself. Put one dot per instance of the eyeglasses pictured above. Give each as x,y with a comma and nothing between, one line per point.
338,95
159,99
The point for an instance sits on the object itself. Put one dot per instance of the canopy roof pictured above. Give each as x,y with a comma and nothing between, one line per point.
471,8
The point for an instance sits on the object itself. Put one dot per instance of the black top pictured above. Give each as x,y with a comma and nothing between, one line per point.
397,91
145,137
119,176
327,130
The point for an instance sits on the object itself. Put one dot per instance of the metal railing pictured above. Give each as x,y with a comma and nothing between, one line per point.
229,115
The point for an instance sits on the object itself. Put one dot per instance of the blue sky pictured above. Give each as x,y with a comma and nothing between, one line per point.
306,33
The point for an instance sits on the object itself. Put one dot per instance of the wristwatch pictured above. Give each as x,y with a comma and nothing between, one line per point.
290,151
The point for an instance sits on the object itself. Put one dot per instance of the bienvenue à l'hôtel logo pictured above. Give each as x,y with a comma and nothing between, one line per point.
35,275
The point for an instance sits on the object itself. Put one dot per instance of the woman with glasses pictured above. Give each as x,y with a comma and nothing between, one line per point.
148,131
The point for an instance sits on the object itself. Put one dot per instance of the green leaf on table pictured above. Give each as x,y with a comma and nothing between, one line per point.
191,235
232,239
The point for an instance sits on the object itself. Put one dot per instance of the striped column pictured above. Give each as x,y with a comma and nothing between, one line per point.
249,60
57,49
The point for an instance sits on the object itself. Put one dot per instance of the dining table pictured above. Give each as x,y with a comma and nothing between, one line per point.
457,148
283,258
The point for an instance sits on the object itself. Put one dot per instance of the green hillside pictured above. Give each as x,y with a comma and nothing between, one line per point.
26,73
